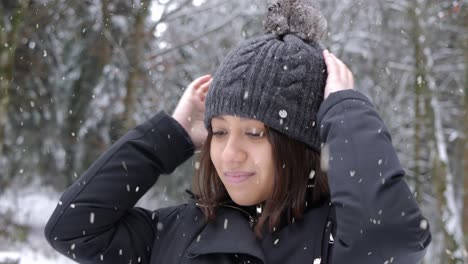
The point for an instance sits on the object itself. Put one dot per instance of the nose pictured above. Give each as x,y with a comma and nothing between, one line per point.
234,151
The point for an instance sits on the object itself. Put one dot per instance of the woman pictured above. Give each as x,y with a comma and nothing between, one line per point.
295,167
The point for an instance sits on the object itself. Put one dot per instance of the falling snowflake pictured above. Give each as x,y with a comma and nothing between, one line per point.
423,224
160,226
91,217
312,174
259,209
419,80
324,157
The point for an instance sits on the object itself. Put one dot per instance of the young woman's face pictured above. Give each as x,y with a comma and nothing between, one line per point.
243,158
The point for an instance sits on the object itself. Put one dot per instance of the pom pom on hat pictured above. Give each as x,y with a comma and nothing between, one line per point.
295,17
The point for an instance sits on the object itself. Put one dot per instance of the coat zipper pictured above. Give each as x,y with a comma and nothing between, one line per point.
252,219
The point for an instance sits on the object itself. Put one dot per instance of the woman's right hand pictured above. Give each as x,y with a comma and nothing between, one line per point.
190,110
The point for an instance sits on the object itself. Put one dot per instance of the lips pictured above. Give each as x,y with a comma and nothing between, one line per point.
237,176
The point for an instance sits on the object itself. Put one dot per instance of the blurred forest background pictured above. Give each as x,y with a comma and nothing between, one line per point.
76,75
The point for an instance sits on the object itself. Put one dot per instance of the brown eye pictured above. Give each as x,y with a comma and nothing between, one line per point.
256,135
218,133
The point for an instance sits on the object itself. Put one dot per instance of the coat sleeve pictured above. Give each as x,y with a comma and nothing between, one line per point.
95,220
377,217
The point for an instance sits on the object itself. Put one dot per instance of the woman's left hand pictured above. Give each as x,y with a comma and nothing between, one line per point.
190,110
339,76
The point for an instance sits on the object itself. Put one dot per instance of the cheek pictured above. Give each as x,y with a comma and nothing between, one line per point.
264,162
266,181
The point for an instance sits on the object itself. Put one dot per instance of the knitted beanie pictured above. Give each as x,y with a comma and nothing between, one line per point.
277,78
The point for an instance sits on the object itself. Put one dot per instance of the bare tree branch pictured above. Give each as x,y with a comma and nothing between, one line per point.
167,15
196,11
214,29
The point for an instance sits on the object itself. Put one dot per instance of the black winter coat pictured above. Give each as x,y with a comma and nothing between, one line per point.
372,218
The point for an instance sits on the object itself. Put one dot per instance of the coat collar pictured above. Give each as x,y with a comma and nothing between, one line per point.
230,233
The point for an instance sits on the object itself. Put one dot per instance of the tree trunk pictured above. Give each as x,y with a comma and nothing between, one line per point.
429,122
9,41
97,54
464,45
135,55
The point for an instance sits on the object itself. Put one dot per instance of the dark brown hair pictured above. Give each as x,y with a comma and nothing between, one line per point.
293,188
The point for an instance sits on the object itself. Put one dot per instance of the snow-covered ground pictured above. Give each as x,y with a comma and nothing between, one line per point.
30,206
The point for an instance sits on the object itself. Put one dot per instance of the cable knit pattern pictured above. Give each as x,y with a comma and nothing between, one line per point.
278,80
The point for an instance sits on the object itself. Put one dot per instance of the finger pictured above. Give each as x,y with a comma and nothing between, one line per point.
332,66
204,87
340,69
343,71
200,80
329,64
336,67
202,100
203,90
346,74
351,80
328,61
